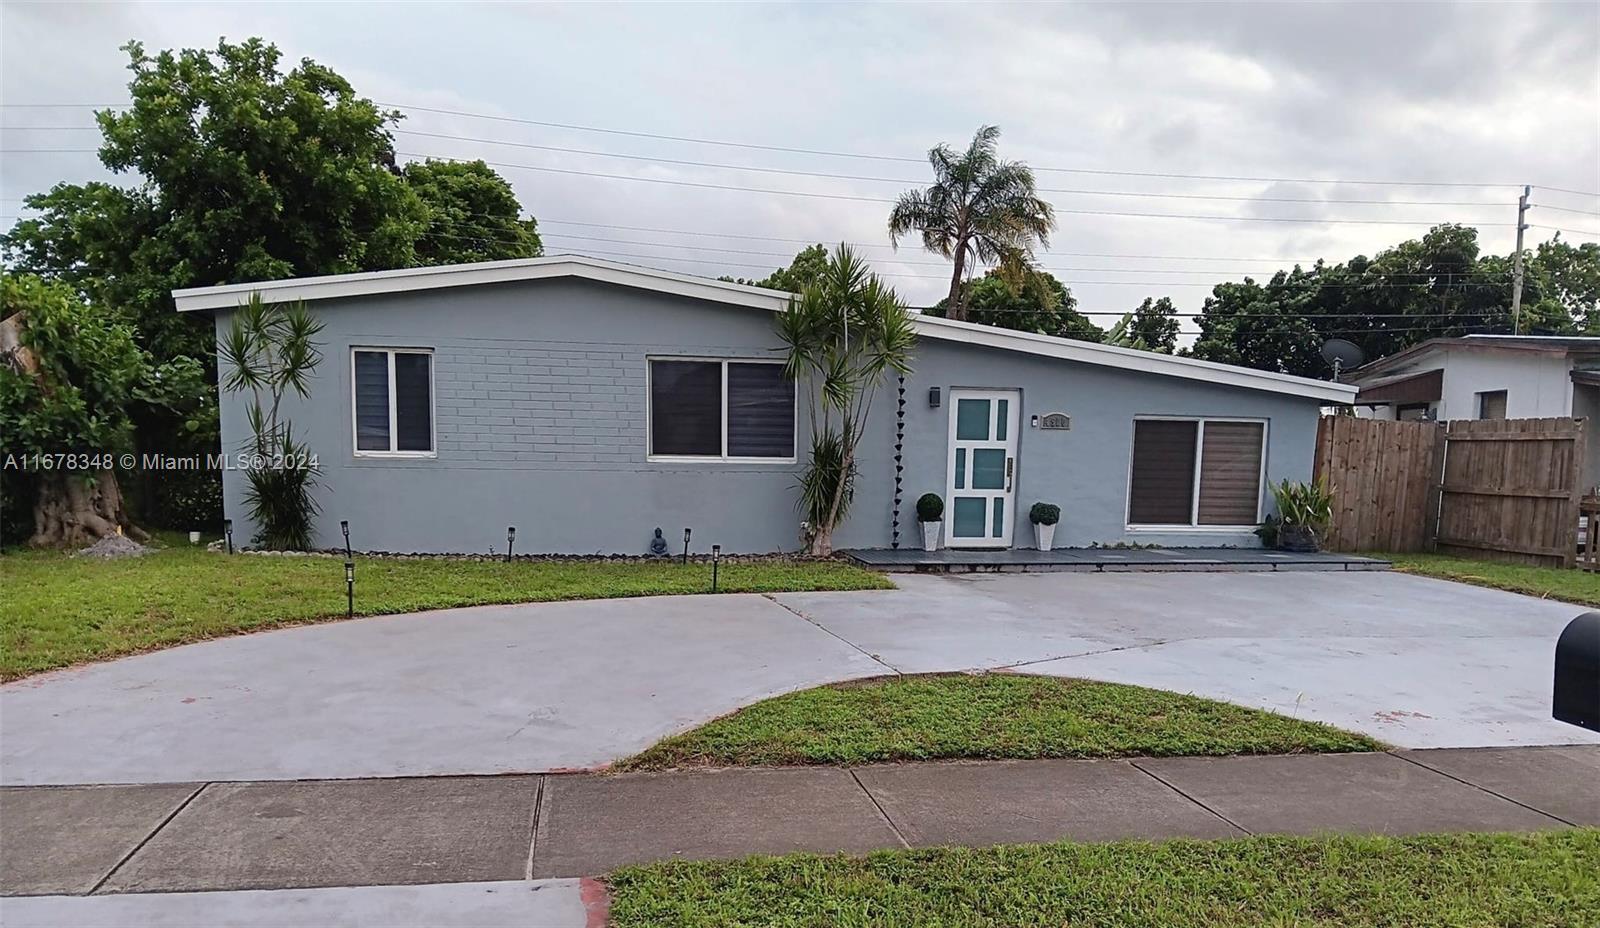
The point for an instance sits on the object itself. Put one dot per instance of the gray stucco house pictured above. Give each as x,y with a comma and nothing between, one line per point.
588,402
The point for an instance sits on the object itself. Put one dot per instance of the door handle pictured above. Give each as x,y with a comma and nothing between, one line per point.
1010,462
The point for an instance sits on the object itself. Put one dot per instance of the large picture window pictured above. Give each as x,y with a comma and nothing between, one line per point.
721,410
1196,472
393,401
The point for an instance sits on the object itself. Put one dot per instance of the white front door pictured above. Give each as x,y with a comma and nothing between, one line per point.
982,468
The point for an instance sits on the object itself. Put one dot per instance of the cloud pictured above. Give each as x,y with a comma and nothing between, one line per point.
1498,94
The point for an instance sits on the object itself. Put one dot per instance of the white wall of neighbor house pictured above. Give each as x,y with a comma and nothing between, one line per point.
1536,385
539,418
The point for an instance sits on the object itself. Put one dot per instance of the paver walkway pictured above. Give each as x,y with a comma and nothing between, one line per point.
305,834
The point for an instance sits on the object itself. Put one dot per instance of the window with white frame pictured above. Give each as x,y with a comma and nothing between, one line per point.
1196,472
720,410
393,401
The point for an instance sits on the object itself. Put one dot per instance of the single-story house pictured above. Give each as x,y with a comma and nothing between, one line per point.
588,403
1488,377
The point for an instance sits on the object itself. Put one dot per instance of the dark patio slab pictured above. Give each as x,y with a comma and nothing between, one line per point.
66,839
300,834
1364,793
594,824
1031,801
1561,780
948,560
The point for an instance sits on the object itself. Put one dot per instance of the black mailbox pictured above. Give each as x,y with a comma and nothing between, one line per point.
1577,692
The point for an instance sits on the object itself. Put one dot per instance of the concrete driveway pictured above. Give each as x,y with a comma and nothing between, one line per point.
1417,662
1414,661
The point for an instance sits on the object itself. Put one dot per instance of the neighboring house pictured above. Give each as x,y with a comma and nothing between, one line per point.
1488,377
588,403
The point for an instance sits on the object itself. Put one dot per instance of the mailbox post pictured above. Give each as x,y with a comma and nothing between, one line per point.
1577,683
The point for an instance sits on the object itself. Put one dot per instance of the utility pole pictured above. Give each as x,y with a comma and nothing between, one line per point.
1516,263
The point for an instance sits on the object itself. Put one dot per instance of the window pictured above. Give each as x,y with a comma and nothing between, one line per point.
393,401
1413,412
727,410
1492,405
1196,472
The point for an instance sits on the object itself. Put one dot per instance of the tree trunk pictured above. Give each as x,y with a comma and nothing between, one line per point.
957,310
73,512
822,539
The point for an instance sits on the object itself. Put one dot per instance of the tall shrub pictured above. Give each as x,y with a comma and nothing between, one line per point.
845,333
270,351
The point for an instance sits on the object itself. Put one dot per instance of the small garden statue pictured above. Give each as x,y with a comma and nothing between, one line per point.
658,544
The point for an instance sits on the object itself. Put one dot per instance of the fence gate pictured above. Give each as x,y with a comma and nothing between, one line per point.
1384,477
1511,490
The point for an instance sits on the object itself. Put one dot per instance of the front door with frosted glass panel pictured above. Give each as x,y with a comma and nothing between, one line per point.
982,467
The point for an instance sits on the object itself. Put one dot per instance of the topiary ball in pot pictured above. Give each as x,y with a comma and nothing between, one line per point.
1044,517
930,512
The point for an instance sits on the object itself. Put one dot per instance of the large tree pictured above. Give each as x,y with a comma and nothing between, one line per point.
1154,324
1436,286
240,171
806,269
1032,301
979,209
472,214
70,379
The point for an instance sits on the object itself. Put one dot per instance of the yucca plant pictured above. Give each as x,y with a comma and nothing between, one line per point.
270,351
845,333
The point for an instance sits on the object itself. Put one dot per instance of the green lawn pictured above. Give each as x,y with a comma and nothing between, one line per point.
1572,586
1520,881
999,715
57,610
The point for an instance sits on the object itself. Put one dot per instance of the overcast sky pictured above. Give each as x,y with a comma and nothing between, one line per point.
1494,94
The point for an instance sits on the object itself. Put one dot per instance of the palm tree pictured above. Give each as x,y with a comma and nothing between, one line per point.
978,207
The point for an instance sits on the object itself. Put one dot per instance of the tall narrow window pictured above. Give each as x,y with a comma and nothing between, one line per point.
1196,472
393,401
728,410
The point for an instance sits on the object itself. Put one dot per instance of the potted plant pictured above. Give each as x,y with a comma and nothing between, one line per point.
1044,517
930,512
1304,511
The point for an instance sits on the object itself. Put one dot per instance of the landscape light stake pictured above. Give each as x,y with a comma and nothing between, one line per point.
716,555
344,526
685,546
227,529
511,539
350,589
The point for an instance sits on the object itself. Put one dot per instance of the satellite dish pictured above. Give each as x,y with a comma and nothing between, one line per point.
1342,354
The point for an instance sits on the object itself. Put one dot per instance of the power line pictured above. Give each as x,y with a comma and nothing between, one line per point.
1564,209
860,155
852,197
1569,231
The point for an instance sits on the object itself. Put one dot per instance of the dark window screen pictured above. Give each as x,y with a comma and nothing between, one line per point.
1230,473
760,412
686,407
413,409
372,401
1162,488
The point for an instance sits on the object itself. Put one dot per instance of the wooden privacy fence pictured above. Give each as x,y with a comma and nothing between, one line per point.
1507,489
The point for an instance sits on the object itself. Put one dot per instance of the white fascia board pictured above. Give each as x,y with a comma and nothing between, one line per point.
1131,359
229,296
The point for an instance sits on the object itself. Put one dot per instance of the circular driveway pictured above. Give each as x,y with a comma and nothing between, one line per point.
498,689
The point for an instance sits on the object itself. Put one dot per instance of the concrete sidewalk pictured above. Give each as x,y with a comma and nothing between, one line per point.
384,832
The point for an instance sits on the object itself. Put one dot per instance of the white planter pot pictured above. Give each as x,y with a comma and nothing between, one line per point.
930,535
1044,534
194,538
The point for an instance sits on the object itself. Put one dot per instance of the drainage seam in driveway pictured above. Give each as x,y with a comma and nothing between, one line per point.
873,657
1135,765
1449,775
533,827
147,839
881,811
